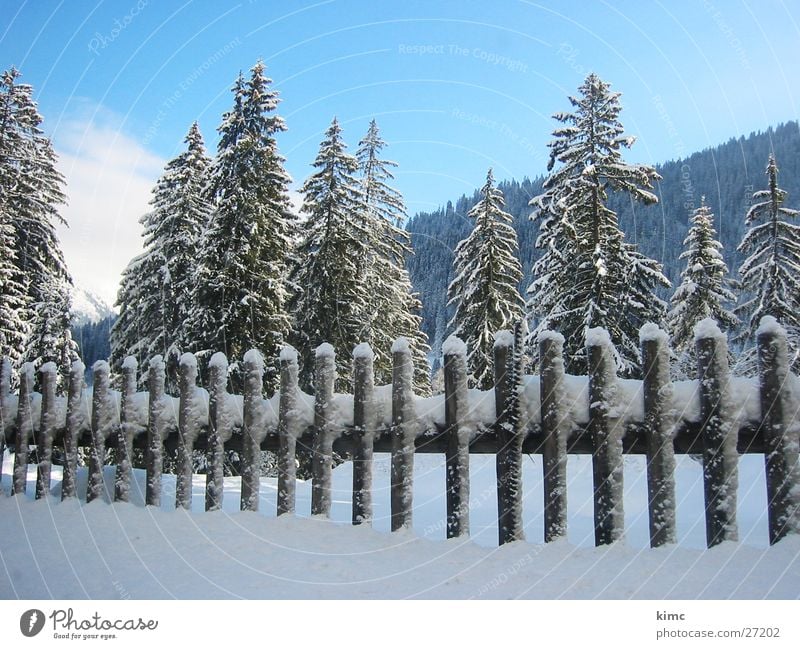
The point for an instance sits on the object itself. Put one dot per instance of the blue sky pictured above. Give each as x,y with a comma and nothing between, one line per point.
456,86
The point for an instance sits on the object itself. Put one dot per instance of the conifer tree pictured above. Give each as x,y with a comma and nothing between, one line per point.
240,296
770,275
702,292
31,191
485,289
393,307
13,295
588,275
156,290
330,297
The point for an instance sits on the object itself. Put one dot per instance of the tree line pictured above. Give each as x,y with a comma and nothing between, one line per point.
229,266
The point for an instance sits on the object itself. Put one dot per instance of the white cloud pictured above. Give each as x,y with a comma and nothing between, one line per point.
109,177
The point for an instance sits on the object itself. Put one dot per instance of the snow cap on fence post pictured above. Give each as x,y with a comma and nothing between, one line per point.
708,328
651,331
325,350
454,346
288,354
503,338
363,350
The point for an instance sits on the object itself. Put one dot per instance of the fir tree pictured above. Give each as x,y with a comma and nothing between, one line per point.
770,276
32,190
13,294
330,297
240,297
484,291
393,307
702,292
588,275
156,289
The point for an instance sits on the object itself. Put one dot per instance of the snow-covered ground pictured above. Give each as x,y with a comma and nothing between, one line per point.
110,551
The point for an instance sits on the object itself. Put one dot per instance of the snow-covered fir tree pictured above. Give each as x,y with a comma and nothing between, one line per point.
393,307
330,297
485,290
13,294
156,290
588,275
702,292
770,275
240,297
31,191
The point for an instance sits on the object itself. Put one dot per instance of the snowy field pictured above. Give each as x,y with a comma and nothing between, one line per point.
111,551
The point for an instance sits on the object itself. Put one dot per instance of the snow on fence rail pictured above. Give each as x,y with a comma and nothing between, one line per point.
554,414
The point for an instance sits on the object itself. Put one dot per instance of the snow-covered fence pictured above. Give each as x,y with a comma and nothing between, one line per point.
553,414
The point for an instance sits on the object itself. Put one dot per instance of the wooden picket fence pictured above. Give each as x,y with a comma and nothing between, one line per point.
387,420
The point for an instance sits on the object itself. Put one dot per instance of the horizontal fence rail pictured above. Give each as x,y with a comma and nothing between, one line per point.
554,414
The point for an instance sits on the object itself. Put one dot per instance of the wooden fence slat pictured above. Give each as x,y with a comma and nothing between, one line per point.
322,450
658,423
403,434
24,428
253,430
126,431
364,425
217,430
508,459
287,431
783,486
156,378
48,374
554,416
720,459
606,430
102,425
456,407
5,413
75,406
188,428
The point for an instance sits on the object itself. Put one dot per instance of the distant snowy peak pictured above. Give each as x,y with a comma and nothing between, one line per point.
88,306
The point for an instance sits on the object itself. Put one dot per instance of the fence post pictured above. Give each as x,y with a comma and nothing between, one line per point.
658,423
456,407
102,423
508,459
187,429
75,405
253,430
403,431
126,431
364,425
48,373
218,430
780,457
720,457
606,430
24,428
156,377
322,451
554,431
5,393
287,431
